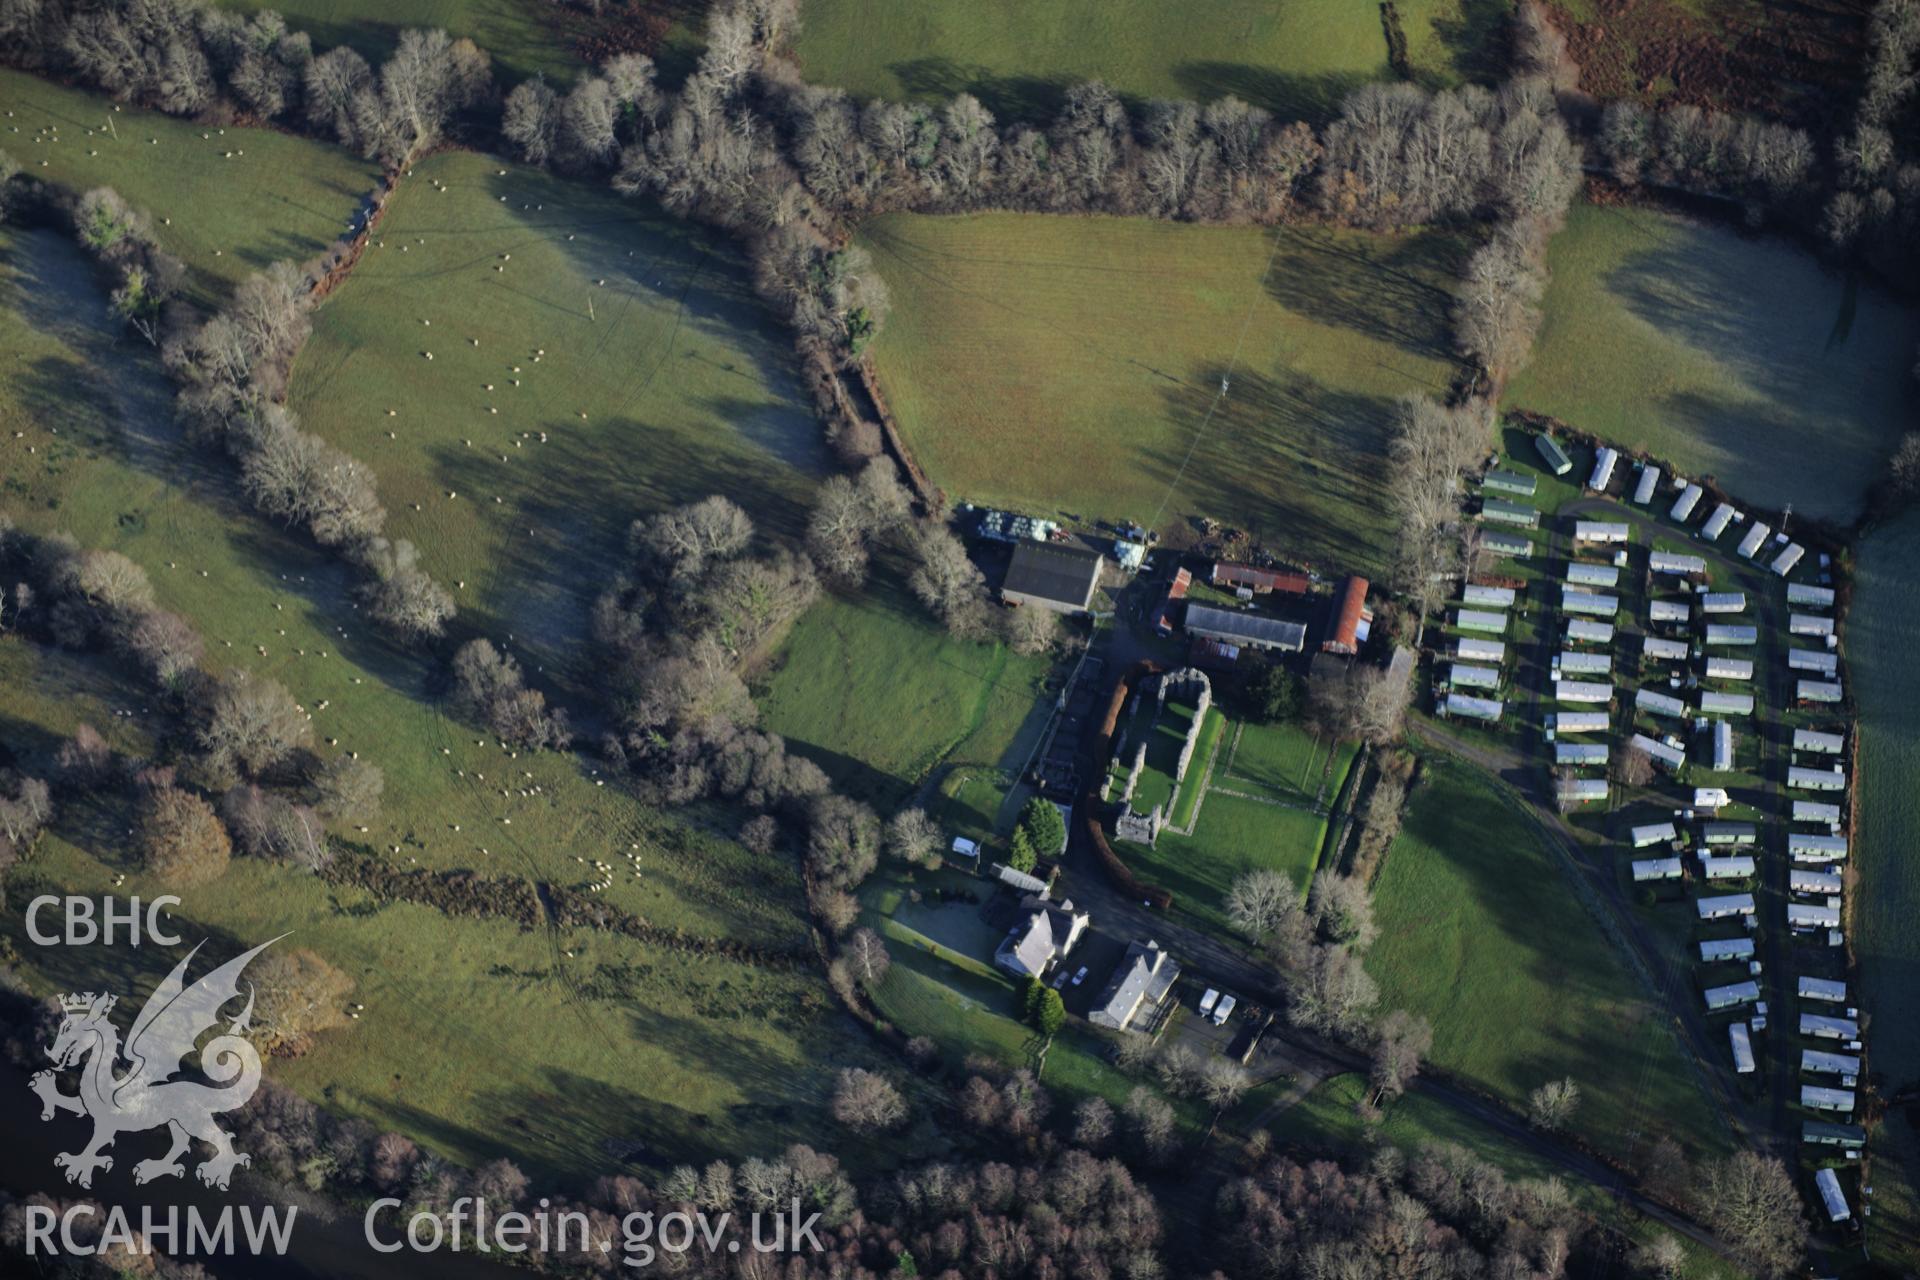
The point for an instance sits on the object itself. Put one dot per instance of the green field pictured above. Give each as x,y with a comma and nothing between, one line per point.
649,327
1482,934
225,216
1296,59
1071,364
1234,835
1285,762
1726,355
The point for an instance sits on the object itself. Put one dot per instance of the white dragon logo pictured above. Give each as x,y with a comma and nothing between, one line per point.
147,1096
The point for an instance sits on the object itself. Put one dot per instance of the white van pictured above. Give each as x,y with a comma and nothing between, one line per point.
1207,1001
1223,1010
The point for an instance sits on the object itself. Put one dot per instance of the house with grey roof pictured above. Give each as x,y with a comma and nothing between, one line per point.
1139,984
1045,933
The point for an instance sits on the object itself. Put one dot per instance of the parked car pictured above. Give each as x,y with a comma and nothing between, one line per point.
1081,976
1223,1010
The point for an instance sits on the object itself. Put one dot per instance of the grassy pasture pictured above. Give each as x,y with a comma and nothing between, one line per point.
1234,835
522,36
1736,357
1285,762
1070,364
1297,59
686,384
286,197
1481,934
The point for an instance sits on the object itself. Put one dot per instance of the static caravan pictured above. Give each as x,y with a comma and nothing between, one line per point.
1583,790
1733,868
1654,833
1726,704
1821,1133
1830,1064
1494,624
1599,531
1724,602
1816,1098
1784,562
1684,504
1731,636
1733,904
1461,676
1816,849
1808,915
1583,574
1512,545
1579,662
1799,779
1580,753
1823,989
1555,457
1587,631
1813,884
1577,721
1826,664
1832,1198
1512,482
1644,487
1823,691
1480,650
1502,512
1603,464
1728,997
1575,600
1809,624
1658,751
1660,704
1722,750
1591,691
1742,1043
1815,811
1670,611
1808,594
1826,744
1754,537
1819,1026
1717,522
1717,949
1669,562
1488,597
1718,833
1729,668
1657,869
1711,798
1459,704
1665,650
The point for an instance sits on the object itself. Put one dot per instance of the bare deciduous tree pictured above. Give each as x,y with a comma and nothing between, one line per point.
1552,1105
1400,1042
866,1101
1752,1204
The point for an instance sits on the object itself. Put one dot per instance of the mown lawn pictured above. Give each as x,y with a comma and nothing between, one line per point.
1070,364
1737,357
1285,761
1018,58
1234,835
1481,934
225,215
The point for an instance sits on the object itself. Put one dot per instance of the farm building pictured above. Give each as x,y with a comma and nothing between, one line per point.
1832,1198
1742,1042
1479,620
1593,575
1808,915
1046,933
1586,631
1657,869
1176,590
1729,832
1816,849
1578,662
1808,594
1577,721
1462,676
1717,522
1574,600
1513,482
1822,1133
1653,647
1234,576
1670,610
1724,602
1604,461
1814,811
1583,691
1813,884
1729,669
1480,650
1599,531
1660,704
1489,597
1458,704
1825,691
1555,457
1823,989
1819,1026
1251,630
1659,752
1574,791
1733,904
1212,655
1669,562
1050,576
1832,1064
1722,747
1800,779
1814,660
1350,620
1731,996
1654,833
1684,504
1512,545
1717,949
1140,982
1750,543
1826,744
1726,704
1643,488
1809,624
1784,563
1818,1098
1502,512
1729,868
1710,798
1580,753
1725,634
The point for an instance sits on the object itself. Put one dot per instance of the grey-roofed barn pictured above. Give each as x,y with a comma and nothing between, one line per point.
1051,576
